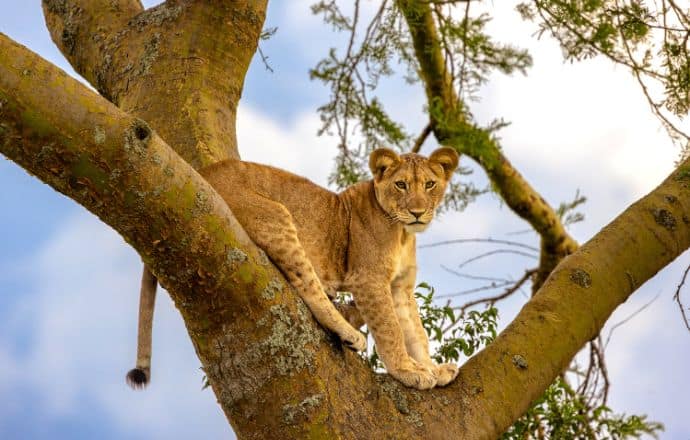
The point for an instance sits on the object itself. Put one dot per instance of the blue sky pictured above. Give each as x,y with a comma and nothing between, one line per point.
68,283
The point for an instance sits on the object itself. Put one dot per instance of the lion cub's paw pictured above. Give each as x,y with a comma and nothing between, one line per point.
355,341
415,375
446,373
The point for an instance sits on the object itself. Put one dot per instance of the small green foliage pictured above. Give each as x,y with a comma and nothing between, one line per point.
268,33
450,334
562,413
372,357
204,380
454,335
474,54
566,210
431,314
379,46
683,173
353,76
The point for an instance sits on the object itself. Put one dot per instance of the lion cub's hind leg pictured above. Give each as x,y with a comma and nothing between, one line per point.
270,226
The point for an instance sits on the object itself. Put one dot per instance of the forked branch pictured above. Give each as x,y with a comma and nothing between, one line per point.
118,168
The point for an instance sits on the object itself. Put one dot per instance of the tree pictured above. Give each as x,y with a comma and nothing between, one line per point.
216,276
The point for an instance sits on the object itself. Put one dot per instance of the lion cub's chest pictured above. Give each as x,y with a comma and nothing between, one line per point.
380,264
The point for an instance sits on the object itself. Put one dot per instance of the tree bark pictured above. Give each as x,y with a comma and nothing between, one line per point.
451,128
180,66
275,372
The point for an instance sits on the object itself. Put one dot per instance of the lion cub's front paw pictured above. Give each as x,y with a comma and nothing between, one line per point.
355,341
446,373
415,375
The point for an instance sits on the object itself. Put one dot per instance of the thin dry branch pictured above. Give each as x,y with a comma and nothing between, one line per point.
595,385
475,277
495,252
423,136
491,300
628,318
491,286
479,240
676,297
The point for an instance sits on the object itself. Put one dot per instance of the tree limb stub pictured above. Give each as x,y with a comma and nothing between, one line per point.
180,65
451,128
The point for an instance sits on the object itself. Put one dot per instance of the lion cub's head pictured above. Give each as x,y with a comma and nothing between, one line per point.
409,187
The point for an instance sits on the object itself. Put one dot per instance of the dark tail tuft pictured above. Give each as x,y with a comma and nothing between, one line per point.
138,378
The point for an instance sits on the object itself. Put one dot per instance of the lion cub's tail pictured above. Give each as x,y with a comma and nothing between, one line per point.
139,377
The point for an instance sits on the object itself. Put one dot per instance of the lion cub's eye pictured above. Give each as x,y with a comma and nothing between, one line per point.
430,184
401,184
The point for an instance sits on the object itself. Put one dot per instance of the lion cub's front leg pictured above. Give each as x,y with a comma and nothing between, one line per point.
416,339
375,303
270,225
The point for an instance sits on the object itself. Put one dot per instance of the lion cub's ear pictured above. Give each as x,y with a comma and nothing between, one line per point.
447,158
380,160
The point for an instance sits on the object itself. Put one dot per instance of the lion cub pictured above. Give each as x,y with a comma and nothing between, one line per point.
360,241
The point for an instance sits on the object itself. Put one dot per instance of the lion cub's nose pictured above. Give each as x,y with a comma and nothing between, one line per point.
417,212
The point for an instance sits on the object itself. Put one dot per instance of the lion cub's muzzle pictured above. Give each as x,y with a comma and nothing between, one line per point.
418,220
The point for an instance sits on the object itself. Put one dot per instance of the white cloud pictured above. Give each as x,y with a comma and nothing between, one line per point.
295,148
80,323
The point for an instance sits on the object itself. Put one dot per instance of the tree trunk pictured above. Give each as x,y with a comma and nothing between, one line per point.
275,373
179,66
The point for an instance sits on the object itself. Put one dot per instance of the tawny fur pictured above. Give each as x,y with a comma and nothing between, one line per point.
360,241
139,377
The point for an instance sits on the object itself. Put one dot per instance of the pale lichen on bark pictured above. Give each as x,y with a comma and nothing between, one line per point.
291,413
272,289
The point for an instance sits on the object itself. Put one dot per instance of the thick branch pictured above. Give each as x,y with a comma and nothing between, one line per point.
79,28
452,128
180,66
267,361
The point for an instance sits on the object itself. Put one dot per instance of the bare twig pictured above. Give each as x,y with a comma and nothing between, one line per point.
631,316
463,66
493,299
350,69
476,289
474,277
494,252
479,240
264,59
599,353
596,383
422,138
676,297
